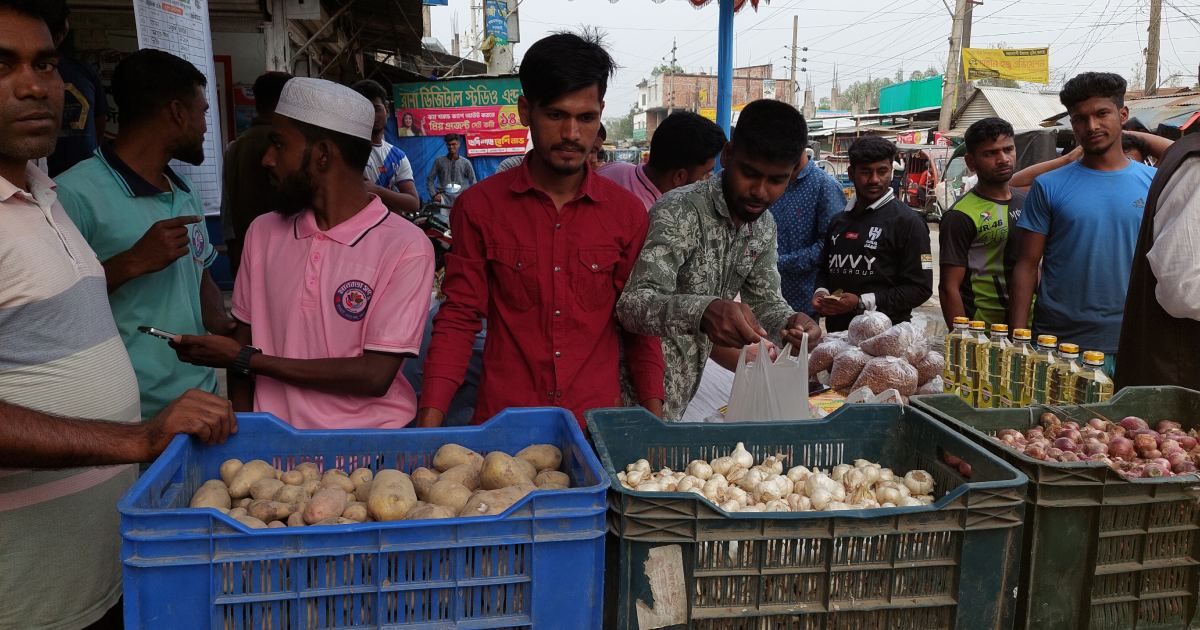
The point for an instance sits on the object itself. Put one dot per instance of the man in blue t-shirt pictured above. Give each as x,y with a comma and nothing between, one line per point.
1080,224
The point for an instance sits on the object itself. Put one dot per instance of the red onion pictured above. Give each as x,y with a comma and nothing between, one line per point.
1054,453
1092,447
1166,425
1155,470
1100,457
1144,443
1034,432
1048,418
1152,454
1117,429
951,459
1176,458
1169,445
1068,456
1133,423
1036,451
1121,447
1065,444
1105,438
1071,425
1097,423
1183,468
964,469
1187,442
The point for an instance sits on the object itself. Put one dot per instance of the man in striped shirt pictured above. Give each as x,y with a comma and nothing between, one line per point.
61,360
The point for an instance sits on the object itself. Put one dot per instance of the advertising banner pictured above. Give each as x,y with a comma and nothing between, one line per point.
511,142
1019,64
459,106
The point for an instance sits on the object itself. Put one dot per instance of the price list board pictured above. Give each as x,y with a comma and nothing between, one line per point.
181,28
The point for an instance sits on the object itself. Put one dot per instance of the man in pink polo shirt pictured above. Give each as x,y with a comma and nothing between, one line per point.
334,289
683,151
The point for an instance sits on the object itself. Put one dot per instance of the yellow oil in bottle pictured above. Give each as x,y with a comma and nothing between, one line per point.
1037,369
1090,384
988,359
968,362
1058,381
1012,368
950,352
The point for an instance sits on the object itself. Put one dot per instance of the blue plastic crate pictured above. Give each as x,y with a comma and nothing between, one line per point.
198,568
678,559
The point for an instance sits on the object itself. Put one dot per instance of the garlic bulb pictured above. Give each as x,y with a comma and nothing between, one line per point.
642,465
798,473
771,465
713,486
741,456
886,474
750,480
739,495
918,482
636,477
887,492
649,486
840,471
700,469
731,506
862,463
778,505
689,482
772,489
820,481
820,498
736,473
666,472
799,503
757,507
909,502
722,465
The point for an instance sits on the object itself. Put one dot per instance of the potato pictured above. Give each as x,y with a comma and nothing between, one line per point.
229,469
542,456
250,472
336,520
265,488
222,510
212,493
291,494
362,492
238,511
466,474
428,511
242,502
326,503
451,455
552,480
251,522
500,470
449,493
356,512
293,478
490,502
392,496
311,486
309,470
338,481
297,517
527,468
423,479
362,475
276,524
267,510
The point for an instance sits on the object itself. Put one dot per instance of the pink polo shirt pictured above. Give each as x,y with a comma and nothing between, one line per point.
365,284
631,177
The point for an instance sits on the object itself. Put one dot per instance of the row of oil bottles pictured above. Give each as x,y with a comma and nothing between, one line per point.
994,371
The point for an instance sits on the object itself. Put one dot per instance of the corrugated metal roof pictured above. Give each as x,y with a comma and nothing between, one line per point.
1024,110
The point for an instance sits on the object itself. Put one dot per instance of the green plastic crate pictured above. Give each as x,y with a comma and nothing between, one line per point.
1100,552
676,560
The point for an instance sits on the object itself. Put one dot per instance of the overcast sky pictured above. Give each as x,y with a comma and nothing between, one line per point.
863,38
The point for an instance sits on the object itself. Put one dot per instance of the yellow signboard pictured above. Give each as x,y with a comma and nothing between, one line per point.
711,112
1018,64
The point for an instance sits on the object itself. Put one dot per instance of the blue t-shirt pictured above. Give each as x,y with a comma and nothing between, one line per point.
802,216
1090,219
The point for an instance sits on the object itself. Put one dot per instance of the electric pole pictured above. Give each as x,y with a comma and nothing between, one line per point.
792,82
953,66
670,81
1152,48
963,90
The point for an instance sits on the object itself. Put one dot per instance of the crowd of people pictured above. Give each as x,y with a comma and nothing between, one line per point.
567,285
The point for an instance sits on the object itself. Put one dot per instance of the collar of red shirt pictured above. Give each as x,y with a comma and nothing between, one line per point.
523,183
348,232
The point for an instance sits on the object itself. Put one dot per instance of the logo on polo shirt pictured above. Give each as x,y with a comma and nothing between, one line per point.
197,242
351,300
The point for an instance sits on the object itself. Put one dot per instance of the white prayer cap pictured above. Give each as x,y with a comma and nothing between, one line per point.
327,105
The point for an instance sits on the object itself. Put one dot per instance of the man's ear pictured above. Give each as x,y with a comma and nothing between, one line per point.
524,110
322,156
679,177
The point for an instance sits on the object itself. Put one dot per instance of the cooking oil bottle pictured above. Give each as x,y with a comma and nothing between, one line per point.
1012,368
968,362
1037,369
950,352
988,359
1090,384
1058,382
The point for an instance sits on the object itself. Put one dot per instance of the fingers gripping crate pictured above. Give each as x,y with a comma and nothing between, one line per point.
675,559
1101,552
198,568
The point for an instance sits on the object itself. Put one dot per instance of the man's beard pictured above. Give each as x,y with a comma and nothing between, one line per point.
735,208
294,193
191,154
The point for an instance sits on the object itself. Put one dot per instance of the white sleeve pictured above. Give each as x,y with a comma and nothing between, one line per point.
403,171
1173,257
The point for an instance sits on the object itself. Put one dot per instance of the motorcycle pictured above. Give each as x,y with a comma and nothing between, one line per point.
434,220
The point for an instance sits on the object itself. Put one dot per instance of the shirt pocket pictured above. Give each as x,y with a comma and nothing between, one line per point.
593,278
514,270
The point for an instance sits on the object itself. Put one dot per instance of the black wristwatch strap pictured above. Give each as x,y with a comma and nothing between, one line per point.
241,364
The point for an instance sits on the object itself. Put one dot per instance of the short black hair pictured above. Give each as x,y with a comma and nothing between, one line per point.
371,89
563,63
355,151
871,149
602,132
684,140
1093,84
771,130
267,88
149,79
451,136
52,12
986,130
1130,142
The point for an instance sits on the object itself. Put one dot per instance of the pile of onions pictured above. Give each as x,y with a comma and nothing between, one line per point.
1130,447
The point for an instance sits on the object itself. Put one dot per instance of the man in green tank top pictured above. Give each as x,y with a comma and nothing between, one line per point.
977,255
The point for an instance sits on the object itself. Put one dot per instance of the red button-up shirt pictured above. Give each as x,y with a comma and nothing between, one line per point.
547,280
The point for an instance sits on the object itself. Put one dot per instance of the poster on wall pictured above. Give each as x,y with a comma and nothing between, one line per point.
181,28
510,142
459,106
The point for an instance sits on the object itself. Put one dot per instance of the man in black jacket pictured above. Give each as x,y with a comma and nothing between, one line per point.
877,254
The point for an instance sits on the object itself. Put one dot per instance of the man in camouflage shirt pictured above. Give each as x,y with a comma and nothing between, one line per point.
709,242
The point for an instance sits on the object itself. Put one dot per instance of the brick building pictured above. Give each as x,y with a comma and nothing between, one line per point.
698,93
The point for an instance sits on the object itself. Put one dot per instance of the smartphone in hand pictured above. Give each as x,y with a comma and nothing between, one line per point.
161,334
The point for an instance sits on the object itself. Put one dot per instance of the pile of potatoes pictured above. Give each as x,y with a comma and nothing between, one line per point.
461,483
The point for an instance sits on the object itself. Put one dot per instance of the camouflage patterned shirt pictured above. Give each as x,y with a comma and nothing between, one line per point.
693,255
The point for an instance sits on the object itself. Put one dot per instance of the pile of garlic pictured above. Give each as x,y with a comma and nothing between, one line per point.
735,484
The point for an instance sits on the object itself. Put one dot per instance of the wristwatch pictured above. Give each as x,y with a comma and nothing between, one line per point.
241,363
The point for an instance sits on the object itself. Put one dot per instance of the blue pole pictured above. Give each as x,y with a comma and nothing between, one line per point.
725,65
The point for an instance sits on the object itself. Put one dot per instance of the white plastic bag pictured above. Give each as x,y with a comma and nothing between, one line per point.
771,390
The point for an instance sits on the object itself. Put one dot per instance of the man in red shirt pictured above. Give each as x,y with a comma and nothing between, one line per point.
542,251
